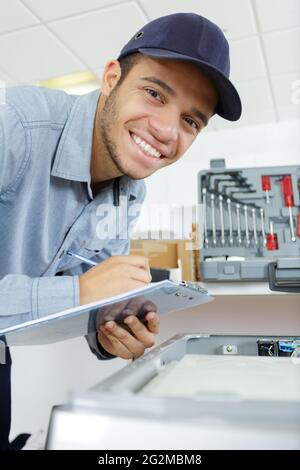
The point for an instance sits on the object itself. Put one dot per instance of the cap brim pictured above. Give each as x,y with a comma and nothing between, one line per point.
229,105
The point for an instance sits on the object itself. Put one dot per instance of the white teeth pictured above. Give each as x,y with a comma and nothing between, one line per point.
147,148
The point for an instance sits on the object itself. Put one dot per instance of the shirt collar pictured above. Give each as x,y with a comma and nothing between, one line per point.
73,156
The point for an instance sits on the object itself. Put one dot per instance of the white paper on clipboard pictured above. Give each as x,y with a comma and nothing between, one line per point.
163,297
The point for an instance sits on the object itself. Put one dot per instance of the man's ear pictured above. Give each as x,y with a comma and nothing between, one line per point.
110,77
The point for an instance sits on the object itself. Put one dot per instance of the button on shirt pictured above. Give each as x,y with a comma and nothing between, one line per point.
46,202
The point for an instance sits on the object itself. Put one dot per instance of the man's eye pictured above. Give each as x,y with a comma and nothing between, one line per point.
153,93
192,123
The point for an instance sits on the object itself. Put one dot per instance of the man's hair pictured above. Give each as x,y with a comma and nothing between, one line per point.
127,63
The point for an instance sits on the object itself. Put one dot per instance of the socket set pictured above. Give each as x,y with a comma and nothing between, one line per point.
251,224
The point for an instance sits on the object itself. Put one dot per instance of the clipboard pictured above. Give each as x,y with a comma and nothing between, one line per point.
163,297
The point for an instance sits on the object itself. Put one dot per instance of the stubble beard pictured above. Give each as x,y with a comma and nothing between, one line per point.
108,117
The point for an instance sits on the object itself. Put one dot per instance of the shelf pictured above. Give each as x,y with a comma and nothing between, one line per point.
239,288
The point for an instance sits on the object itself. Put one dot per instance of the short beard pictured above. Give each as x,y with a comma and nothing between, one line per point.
108,118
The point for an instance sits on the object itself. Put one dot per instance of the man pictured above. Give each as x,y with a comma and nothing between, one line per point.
62,157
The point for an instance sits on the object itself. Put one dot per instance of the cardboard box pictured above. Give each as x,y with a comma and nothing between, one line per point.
167,254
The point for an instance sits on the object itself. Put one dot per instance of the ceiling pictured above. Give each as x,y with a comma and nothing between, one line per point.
41,39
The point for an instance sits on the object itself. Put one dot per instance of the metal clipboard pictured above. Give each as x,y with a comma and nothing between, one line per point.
164,297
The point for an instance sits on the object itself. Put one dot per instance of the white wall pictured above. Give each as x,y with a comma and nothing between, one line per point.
44,376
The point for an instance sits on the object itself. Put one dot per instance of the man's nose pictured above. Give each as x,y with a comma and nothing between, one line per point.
165,127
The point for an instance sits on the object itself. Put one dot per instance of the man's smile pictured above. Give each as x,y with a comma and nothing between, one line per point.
145,152
144,139
145,146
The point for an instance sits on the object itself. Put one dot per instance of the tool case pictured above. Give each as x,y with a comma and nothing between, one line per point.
251,227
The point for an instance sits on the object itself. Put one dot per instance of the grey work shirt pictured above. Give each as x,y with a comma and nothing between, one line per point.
46,202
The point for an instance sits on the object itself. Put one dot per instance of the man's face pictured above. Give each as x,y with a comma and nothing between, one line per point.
152,118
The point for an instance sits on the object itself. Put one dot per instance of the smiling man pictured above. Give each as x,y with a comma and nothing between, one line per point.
63,158
151,119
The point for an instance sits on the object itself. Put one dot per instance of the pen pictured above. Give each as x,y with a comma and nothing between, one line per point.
82,258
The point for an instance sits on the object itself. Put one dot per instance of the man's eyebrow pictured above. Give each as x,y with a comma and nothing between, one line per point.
172,92
160,83
200,115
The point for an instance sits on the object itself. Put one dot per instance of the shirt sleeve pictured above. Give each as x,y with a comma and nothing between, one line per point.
23,298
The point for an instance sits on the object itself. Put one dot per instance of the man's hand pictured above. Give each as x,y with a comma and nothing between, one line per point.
130,342
114,276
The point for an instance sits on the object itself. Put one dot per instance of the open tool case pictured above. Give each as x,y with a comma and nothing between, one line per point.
251,224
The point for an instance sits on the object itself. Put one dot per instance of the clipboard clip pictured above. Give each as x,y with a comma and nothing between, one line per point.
194,286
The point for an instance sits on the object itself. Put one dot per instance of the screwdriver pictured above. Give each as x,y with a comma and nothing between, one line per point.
266,185
254,226
246,225
205,216
263,226
230,221
213,218
272,241
238,223
222,220
287,190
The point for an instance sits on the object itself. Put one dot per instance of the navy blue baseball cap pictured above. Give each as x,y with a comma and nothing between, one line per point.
192,38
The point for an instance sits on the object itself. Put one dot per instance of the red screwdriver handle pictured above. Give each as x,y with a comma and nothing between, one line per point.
287,189
272,241
266,183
